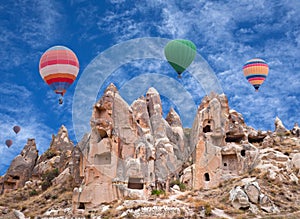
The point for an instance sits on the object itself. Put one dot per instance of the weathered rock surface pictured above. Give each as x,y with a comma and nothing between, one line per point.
222,143
239,198
57,156
296,130
253,192
244,197
131,149
19,214
279,127
20,169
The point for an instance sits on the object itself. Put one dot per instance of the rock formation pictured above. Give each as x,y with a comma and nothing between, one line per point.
221,141
250,196
57,155
279,127
134,162
296,130
20,169
130,150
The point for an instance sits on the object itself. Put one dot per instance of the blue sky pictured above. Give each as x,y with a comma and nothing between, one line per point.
226,33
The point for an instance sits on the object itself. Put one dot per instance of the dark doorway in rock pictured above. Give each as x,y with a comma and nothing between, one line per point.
207,129
102,159
230,163
16,177
208,125
230,137
81,205
135,183
243,153
286,153
206,177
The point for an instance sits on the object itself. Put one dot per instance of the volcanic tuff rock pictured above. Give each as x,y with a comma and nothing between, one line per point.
62,158
244,197
57,155
20,169
222,143
130,149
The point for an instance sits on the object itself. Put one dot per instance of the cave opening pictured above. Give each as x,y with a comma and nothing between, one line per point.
135,183
206,177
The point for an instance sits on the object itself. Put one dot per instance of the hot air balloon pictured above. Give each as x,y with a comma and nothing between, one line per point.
8,143
180,54
256,71
16,129
59,68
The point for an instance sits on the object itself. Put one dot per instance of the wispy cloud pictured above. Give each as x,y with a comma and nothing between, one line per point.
35,25
227,34
17,109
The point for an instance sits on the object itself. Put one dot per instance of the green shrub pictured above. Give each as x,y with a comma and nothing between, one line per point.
207,210
182,186
33,192
157,192
48,177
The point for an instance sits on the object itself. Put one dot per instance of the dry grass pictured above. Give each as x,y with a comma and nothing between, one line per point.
40,202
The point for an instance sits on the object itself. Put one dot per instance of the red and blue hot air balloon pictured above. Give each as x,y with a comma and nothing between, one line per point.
59,68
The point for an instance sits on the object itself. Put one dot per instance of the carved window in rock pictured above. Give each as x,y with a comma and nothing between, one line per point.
81,205
16,177
230,163
102,159
206,177
243,153
208,125
230,137
135,183
9,185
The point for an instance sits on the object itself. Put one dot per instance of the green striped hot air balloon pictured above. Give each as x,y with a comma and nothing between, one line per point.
180,54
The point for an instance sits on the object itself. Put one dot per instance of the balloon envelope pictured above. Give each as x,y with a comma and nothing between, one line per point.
256,71
59,68
8,142
180,54
17,129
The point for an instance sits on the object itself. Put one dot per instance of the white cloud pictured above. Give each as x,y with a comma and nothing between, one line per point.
36,25
18,109
227,34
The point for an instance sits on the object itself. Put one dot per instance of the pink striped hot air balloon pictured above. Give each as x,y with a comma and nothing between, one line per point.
256,71
59,68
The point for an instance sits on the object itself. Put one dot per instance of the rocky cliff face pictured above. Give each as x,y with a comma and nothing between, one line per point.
130,149
133,153
222,143
20,169
60,161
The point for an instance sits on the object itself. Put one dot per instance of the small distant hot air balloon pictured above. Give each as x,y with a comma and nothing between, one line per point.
180,54
8,143
256,71
59,68
16,129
